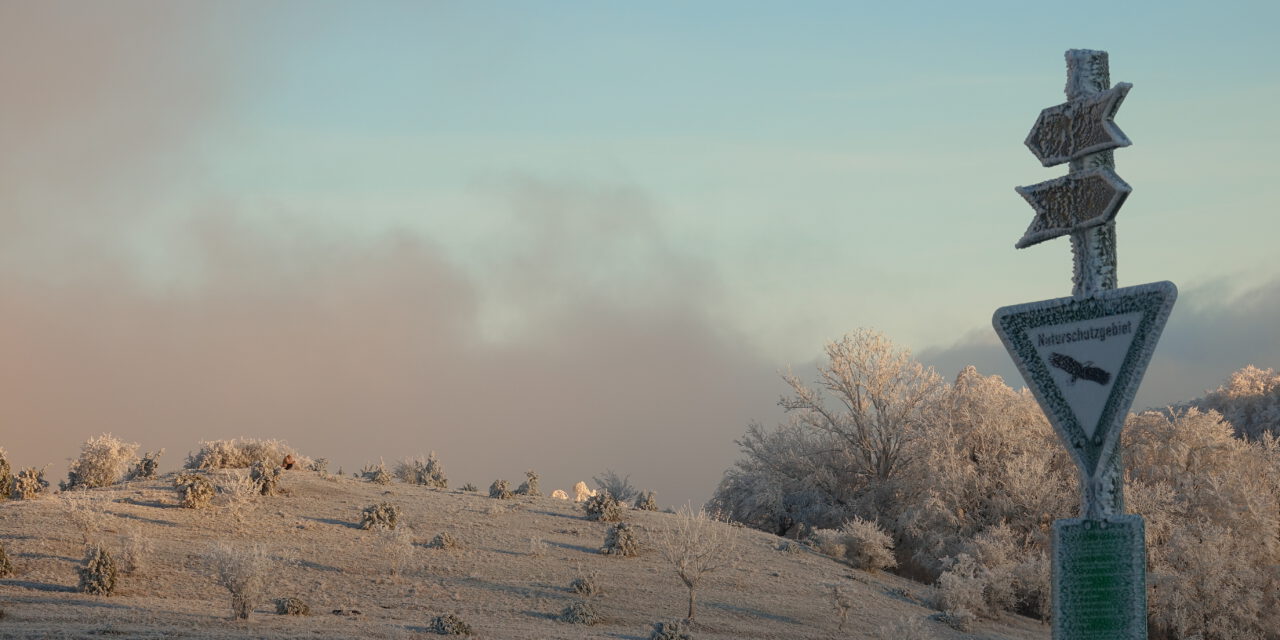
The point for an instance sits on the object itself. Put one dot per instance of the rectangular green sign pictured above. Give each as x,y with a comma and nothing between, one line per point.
1099,579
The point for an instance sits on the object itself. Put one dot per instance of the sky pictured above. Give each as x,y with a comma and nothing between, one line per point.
581,236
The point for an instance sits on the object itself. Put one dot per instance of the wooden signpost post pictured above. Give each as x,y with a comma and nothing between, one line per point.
1083,356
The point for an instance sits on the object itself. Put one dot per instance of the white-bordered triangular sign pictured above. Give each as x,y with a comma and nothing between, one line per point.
1084,358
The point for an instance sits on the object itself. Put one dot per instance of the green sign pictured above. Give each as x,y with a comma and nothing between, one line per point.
1099,579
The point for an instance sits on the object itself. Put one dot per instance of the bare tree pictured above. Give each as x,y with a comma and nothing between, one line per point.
880,394
696,544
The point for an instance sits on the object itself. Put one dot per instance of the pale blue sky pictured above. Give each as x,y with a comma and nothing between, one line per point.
835,164
373,227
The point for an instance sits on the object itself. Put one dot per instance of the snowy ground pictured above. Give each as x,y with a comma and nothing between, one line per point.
497,580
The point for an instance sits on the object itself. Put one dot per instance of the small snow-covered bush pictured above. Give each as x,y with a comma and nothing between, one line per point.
97,571
145,469
469,487
620,540
242,571
530,486
960,619
103,461
841,603
134,551
396,545
376,473
861,543
6,475
450,625
671,630
443,540
646,502
242,453
906,628
195,490
867,546
537,547
581,613
603,507
383,515
6,565
500,489
28,484
617,486
266,477
292,607
585,585
417,470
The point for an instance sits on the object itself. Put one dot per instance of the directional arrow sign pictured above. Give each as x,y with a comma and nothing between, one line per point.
1084,358
1071,203
1078,128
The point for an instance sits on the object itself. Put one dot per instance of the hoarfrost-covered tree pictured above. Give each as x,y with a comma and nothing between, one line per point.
880,394
846,439
1250,401
696,545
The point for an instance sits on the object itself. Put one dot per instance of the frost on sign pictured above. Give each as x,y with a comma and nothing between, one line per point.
1078,128
1083,359
1072,203
1100,590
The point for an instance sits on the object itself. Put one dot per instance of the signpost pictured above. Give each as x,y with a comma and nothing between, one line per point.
1083,356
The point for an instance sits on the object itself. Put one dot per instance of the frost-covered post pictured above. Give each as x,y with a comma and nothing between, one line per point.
1084,356
1094,249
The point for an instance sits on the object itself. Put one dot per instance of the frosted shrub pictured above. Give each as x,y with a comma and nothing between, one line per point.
960,619
396,545
620,540
266,477
145,469
6,565
319,465
964,587
241,454
841,603
97,571
671,630
427,472
867,546
530,486
603,507
134,551
646,502
585,585
537,547
242,571
469,487
28,484
828,542
450,625
906,628
103,462
376,474
6,475
500,489
383,515
292,607
84,514
443,540
194,490
581,613
619,487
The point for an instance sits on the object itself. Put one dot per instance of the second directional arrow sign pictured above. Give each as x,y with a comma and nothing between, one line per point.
1071,203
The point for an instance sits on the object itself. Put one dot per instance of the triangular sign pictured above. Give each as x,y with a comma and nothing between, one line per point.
1084,359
